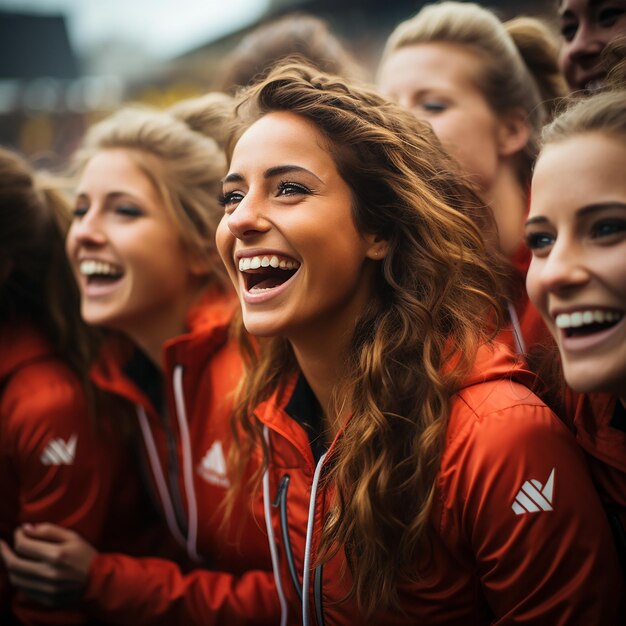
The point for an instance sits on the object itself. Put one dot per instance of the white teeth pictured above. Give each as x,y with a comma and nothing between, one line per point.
92,267
584,318
255,262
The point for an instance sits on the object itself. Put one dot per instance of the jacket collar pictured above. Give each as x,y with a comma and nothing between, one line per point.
494,361
207,324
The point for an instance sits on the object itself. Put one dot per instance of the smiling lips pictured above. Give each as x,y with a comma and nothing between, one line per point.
266,272
97,271
587,321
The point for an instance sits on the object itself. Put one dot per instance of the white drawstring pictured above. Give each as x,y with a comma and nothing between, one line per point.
271,537
306,575
517,330
192,507
159,478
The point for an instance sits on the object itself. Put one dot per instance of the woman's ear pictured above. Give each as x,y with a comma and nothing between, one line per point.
377,248
513,133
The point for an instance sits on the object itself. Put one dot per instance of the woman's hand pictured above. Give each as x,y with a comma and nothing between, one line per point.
49,564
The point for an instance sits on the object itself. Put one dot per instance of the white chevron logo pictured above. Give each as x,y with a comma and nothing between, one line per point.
213,466
59,451
533,497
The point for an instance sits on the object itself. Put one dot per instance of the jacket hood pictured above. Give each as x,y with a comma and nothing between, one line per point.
495,361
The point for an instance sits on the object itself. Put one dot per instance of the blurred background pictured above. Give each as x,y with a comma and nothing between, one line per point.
66,63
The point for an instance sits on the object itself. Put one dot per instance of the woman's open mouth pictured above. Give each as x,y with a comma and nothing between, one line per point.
99,273
587,321
267,272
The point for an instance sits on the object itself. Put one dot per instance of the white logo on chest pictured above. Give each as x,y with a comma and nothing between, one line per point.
59,452
213,466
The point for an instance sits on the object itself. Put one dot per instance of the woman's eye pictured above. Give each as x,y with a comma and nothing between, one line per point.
568,31
606,228
79,211
433,106
128,210
286,188
539,241
609,16
230,199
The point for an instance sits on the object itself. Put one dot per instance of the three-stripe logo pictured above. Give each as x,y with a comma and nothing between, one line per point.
59,452
533,496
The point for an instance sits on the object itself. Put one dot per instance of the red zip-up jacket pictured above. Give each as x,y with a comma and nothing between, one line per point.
186,451
600,428
55,467
519,535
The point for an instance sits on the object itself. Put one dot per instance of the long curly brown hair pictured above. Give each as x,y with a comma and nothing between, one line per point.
434,303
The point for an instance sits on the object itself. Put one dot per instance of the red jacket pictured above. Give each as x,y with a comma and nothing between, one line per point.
519,533
53,466
186,454
604,442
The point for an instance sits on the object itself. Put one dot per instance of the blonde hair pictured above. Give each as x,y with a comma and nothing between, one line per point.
186,142
603,113
518,58
413,344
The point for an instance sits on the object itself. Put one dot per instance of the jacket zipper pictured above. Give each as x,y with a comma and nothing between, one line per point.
281,501
173,477
317,586
161,483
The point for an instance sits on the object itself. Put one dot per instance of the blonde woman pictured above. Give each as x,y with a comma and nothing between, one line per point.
486,87
142,248
576,230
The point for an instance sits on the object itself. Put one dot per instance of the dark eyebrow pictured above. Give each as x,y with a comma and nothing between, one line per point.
232,178
279,170
288,169
536,220
586,210
601,206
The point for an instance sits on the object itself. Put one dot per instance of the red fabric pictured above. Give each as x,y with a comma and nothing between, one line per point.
490,565
605,447
95,494
152,591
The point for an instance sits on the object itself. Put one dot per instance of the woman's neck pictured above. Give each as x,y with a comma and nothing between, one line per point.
322,364
150,334
509,202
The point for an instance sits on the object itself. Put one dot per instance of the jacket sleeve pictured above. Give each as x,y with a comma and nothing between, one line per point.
60,471
519,491
154,592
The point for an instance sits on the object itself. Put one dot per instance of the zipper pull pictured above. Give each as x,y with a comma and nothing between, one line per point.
282,487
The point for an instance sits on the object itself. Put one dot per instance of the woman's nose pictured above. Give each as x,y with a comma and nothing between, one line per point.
87,230
586,43
248,218
564,268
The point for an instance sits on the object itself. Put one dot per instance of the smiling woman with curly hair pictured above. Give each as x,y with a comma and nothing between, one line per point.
414,478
